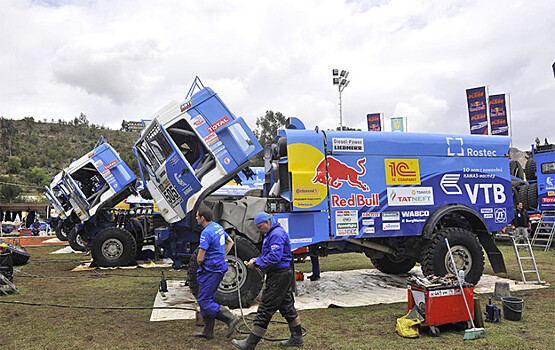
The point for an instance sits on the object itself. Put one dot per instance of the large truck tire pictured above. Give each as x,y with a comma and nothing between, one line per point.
114,246
249,280
75,241
523,196
530,170
60,233
516,169
467,253
388,263
19,254
532,196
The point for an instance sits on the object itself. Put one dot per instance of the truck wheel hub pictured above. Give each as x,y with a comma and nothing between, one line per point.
462,257
234,277
112,248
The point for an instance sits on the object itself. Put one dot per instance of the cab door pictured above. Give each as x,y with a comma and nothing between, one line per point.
55,203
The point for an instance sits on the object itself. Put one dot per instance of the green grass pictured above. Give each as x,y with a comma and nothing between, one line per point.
371,327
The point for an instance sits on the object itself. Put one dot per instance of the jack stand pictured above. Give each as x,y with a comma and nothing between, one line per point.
493,313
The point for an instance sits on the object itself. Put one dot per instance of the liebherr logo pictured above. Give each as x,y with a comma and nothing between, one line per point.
454,146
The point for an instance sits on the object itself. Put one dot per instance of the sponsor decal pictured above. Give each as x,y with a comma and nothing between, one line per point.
410,196
307,191
210,138
185,106
415,213
106,173
413,221
390,216
301,240
347,145
548,200
449,185
216,145
197,121
92,154
551,193
284,222
226,160
500,215
488,216
346,222
370,215
368,222
402,171
388,226
454,146
218,124
339,173
98,163
495,190
111,164
358,200
550,184
476,106
486,210
442,293
368,230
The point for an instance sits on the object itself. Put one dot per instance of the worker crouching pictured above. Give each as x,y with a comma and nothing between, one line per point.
214,245
275,260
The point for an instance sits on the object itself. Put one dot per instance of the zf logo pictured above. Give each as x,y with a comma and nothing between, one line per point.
500,215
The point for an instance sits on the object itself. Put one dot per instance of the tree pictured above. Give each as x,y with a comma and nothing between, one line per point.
9,192
38,176
266,130
13,165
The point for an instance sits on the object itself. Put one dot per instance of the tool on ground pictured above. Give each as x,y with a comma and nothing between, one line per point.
163,287
493,313
472,333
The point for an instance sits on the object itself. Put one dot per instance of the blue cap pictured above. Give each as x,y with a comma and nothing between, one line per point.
261,217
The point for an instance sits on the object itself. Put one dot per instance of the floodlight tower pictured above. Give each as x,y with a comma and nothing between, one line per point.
340,79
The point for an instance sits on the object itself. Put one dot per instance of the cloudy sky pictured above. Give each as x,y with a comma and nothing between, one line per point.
117,59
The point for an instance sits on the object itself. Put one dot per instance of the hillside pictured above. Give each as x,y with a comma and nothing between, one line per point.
31,152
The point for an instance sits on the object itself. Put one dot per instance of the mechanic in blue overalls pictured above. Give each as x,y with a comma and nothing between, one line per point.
214,245
275,260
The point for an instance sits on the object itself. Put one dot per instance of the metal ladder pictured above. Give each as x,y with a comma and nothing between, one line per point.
543,236
522,259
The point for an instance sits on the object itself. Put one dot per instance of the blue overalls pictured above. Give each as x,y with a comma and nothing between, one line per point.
213,269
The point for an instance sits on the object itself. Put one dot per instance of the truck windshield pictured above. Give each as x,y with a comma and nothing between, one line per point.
155,148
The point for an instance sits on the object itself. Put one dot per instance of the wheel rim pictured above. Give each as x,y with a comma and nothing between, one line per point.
235,276
112,248
79,241
462,257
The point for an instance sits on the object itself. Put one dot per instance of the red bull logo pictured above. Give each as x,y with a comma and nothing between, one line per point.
339,173
476,106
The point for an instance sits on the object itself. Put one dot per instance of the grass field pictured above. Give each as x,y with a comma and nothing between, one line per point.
371,327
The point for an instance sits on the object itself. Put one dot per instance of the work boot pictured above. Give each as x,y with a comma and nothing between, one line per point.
208,330
228,318
250,343
296,337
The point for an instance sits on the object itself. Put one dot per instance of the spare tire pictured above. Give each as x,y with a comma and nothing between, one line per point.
60,232
113,247
532,196
530,170
388,263
523,196
19,254
238,277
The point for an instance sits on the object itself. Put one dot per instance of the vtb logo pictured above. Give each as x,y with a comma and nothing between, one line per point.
402,171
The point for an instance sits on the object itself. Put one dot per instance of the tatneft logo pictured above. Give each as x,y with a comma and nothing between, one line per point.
410,196
402,171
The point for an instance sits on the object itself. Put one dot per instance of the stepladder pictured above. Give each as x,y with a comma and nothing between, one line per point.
545,230
526,260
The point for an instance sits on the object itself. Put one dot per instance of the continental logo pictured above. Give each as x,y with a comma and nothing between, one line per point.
402,171
307,191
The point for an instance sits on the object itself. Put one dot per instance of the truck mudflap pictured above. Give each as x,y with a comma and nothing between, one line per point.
494,255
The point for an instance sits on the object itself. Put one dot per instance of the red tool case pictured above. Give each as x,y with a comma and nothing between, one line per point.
441,304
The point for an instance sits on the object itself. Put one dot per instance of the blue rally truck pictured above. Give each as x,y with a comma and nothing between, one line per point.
392,196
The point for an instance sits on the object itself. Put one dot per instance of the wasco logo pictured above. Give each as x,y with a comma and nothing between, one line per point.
402,171
410,196
355,201
218,124
415,213
489,192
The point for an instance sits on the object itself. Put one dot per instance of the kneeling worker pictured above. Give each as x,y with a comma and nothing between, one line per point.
214,245
275,260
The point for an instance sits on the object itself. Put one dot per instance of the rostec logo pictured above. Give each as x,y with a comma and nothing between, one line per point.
338,171
454,146
402,171
500,215
449,185
186,105
218,124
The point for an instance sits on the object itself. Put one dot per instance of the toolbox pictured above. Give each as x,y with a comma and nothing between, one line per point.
441,304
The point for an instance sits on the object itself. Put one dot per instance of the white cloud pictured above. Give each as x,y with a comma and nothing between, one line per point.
120,59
